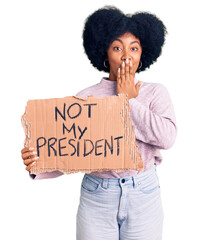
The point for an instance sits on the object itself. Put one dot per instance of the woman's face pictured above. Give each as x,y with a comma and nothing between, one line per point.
123,47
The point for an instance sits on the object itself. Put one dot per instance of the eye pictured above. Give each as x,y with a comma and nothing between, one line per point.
116,48
134,48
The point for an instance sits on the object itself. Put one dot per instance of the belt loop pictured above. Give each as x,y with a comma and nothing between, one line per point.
155,165
134,181
105,183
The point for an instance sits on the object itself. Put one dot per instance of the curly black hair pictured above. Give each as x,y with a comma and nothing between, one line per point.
109,22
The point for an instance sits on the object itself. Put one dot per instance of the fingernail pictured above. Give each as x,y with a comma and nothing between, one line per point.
35,158
123,63
118,69
127,61
34,152
31,148
130,63
33,163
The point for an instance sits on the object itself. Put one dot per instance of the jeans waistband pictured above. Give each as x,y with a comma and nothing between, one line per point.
129,179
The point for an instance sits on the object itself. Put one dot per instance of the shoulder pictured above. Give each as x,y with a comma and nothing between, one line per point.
154,89
157,95
153,93
87,91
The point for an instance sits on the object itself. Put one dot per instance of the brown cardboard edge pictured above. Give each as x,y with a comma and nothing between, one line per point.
26,127
36,171
81,98
128,129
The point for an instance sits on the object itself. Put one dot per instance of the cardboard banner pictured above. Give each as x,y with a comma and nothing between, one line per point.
76,134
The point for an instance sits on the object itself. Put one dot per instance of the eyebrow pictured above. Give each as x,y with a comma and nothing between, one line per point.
122,42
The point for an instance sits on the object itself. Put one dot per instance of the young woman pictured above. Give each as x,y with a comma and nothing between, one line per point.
125,205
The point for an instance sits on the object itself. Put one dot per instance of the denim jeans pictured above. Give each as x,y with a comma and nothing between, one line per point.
127,208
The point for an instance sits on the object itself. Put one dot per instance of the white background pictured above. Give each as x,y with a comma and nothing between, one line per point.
41,56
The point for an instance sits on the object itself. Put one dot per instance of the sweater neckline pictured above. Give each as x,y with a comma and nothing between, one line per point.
106,81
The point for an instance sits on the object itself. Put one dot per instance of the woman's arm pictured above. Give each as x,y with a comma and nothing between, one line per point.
29,158
155,125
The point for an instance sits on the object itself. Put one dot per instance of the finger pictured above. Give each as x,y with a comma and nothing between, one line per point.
127,70
118,76
27,149
122,72
31,160
30,166
131,68
28,155
137,86
131,73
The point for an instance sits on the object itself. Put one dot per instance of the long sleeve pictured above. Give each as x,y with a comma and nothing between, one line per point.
46,175
155,121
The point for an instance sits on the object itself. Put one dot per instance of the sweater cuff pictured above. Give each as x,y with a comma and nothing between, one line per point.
132,101
46,175
32,175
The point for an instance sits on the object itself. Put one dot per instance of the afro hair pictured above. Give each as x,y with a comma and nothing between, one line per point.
108,23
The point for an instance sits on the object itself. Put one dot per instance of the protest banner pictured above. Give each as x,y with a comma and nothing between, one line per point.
76,134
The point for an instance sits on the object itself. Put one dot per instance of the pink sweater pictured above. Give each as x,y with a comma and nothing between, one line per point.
153,116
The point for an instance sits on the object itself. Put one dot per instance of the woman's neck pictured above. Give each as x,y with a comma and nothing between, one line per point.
112,77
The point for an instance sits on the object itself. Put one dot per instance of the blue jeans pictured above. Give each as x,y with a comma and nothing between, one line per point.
127,208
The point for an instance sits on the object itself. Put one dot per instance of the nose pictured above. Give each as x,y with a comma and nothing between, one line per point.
125,56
